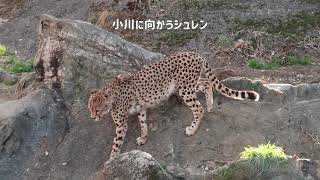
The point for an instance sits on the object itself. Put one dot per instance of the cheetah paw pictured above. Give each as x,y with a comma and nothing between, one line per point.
210,109
189,131
141,141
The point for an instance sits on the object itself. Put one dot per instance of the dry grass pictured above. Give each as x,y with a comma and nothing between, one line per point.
249,44
104,18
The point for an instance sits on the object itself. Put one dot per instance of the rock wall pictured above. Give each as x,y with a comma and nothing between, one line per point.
78,56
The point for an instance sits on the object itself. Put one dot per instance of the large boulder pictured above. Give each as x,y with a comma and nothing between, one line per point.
135,165
78,56
30,129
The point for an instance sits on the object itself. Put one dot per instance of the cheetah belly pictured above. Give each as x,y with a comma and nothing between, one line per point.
137,106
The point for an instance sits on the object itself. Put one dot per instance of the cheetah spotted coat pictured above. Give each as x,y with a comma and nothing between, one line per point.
176,74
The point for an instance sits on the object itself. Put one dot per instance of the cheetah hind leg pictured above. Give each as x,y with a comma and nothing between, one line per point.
194,105
206,87
144,128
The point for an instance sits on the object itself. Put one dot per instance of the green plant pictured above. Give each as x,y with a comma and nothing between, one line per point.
263,151
14,65
255,64
294,60
200,4
3,50
223,41
311,1
293,27
296,26
256,162
19,3
92,19
264,157
277,62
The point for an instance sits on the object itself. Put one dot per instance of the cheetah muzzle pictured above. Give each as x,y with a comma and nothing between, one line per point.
178,74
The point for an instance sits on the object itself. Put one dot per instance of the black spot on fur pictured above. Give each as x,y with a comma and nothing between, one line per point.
243,94
251,95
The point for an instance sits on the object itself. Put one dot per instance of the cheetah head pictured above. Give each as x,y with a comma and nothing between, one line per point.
99,104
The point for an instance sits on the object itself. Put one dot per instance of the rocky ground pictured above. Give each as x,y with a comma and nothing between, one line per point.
46,132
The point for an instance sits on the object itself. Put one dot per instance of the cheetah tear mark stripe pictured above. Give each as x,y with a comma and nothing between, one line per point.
227,91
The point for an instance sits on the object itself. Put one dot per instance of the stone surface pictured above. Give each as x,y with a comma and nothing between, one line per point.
29,127
291,169
78,56
8,79
135,165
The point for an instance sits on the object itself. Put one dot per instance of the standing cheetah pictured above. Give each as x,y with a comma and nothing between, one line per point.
134,93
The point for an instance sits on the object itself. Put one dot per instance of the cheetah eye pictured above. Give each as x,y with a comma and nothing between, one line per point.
93,91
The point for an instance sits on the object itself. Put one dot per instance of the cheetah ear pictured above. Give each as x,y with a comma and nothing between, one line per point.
122,77
93,91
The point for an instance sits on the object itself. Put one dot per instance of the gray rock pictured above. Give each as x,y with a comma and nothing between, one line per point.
78,56
135,165
2,75
8,79
29,127
297,93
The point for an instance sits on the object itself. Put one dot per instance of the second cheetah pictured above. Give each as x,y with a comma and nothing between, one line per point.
176,74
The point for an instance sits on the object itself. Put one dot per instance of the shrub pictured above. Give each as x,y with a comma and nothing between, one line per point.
277,62
256,163
3,50
263,151
14,65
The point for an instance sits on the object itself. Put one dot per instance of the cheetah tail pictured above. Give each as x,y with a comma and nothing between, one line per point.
235,94
225,90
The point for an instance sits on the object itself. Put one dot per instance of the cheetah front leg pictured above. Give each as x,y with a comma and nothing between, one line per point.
120,121
144,127
190,98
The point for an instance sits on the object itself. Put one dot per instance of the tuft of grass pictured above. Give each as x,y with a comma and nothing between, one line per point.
224,41
200,4
296,26
293,27
263,151
277,62
19,3
92,19
311,1
177,38
3,50
263,158
14,65
256,163
254,64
